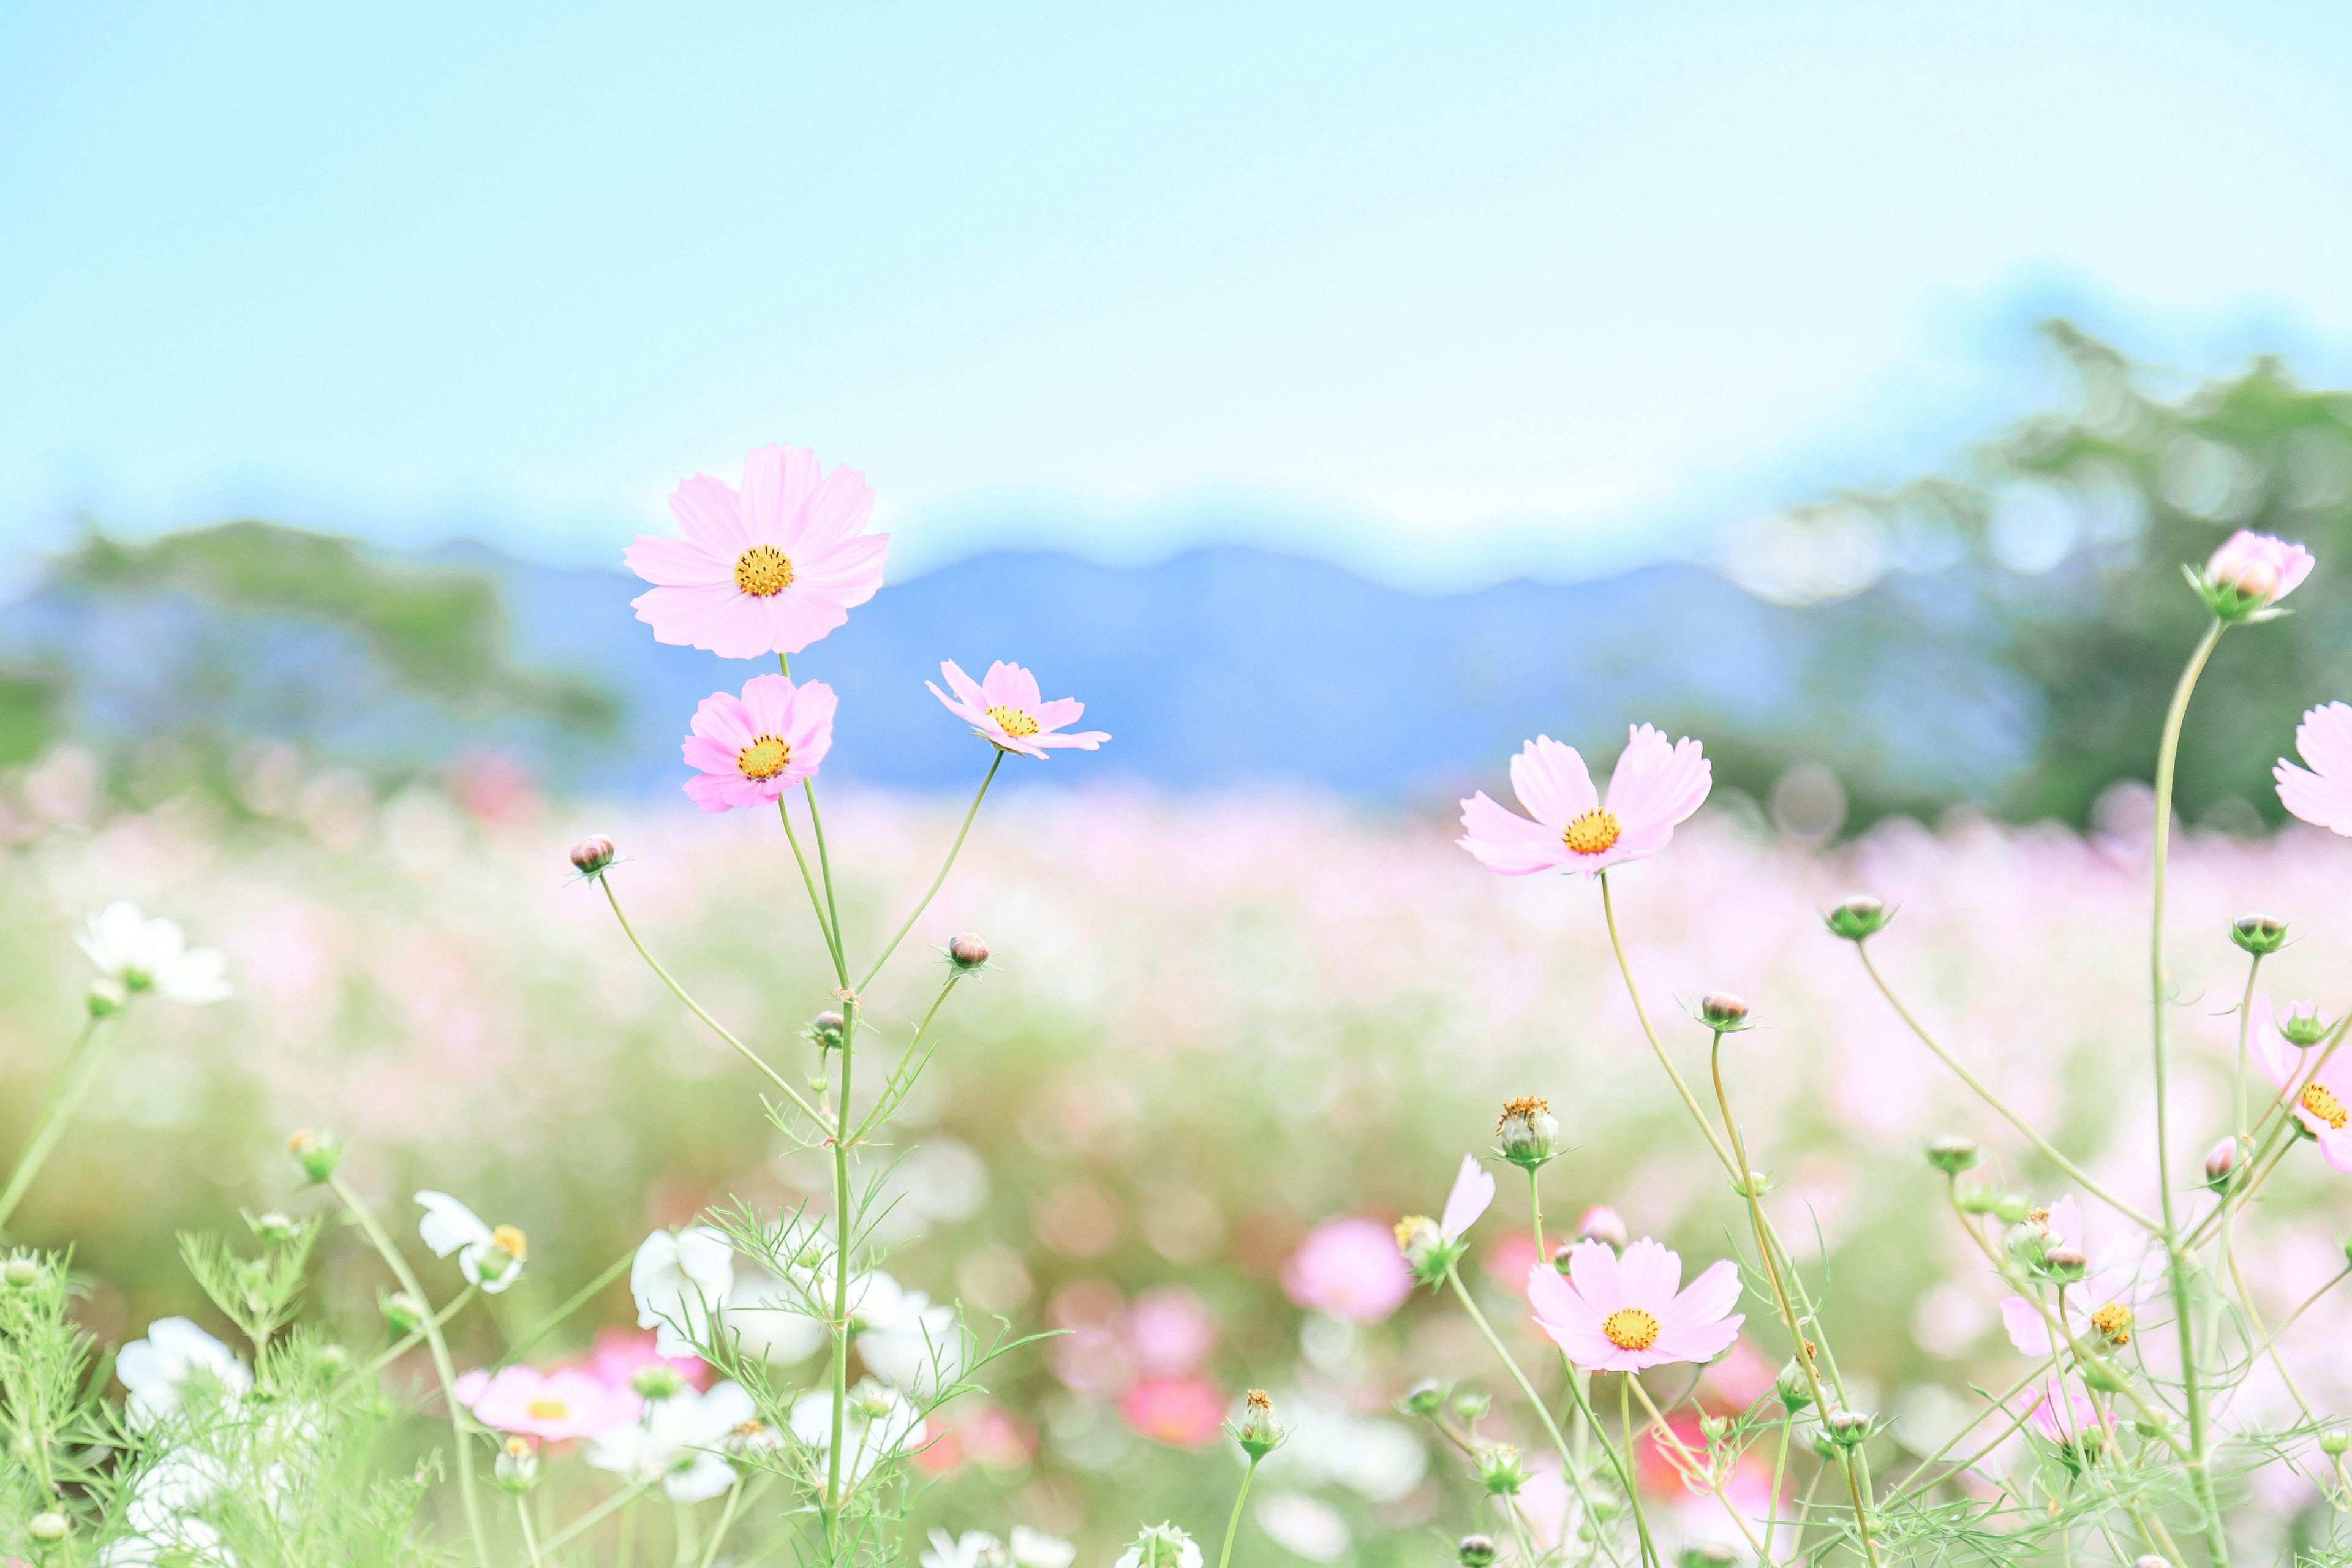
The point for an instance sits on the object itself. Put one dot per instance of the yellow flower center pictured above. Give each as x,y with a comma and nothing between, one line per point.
1013,722
2321,1101
510,1241
763,570
2114,1322
763,759
1631,1329
548,1409
1591,833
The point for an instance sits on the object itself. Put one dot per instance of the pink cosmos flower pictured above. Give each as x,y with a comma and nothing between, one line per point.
563,1403
1656,786
768,571
1170,1330
1348,1268
619,1355
2322,794
1181,1412
2064,1412
1007,711
1625,1314
2324,1104
752,748
2259,567
2102,1306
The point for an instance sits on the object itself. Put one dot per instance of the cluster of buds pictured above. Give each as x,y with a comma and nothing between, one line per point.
1526,1134
2009,1207
2258,935
2251,573
518,1465
1500,1469
967,950
592,855
317,1152
1858,919
1954,1156
1724,1012
1256,1432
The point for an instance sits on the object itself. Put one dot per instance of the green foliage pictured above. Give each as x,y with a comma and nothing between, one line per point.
56,1439
257,1294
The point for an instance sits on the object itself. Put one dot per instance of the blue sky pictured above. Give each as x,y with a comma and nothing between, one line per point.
1444,292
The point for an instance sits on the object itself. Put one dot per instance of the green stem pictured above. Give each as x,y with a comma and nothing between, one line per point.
65,1090
832,1498
936,882
1235,1523
410,1341
598,1515
442,1365
1632,1465
554,1319
530,1538
746,1052
824,870
816,900
2191,1386
1617,946
912,1065
726,1519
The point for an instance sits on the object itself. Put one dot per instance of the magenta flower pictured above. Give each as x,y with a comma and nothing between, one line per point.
752,748
1625,1314
2322,794
768,571
1348,1268
2324,1105
1007,711
2254,570
1656,786
565,1403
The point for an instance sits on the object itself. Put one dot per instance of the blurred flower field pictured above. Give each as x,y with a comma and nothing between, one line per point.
1225,1043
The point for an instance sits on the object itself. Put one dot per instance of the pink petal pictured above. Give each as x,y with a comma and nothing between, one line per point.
777,482
2027,1330
1474,1189
710,756
2066,1221
1648,1276
963,710
847,573
810,725
768,705
1593,1269
1707,1297
709,513
2323,803
835,511
2279,1060
1010,686
675,563
713,792
1551,782
963,685
1658,784
1060,711
1507,843
722,717
1084,739
2335,1148
793,619
1694,1341
739,629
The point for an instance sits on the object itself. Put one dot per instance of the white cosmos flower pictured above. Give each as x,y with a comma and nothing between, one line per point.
880,1424
902,1338
679,1280
158,1369
1161,1546
681,1439
489,1255
972,1549
152,956
1035,1549
769,1318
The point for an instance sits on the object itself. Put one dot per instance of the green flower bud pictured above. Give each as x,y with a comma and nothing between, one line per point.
22,1273
1792,1388
1257,1434
1980,1200
518,1466
1714,1428
317,1152
2258,935
826,1028
1424,1398
658,1382
1162,1546
2335,1441
403,1312
274,1228
48,1525
1476,1550
1499,1470
1858,919
1472,1404
2028,1243
1954,1156
105,997
2303,1026
1724,1012
1847,1428
1817,1436
2064,1264
1525,1134
2012,1206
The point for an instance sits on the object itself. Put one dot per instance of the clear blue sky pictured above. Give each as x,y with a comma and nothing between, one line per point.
1442,291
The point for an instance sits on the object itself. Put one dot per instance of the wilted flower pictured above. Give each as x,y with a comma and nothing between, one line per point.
1430,1246
1625,1314
1161,1546
1256,1432
2323,1104
142,954
683,1441
174,1355
753,748
1526,1133
551,1405
2252,571
489,1255
1656,785
680,1278
1005,709
2321,794
769,571
1601,1223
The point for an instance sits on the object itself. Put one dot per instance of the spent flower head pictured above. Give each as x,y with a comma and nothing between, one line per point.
1255,1431
1526,1134
317,1152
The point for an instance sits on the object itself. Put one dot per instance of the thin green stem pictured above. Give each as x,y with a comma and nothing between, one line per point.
410,1341
746,1052
832,1498
824,870
816,900
554,1319
726,1519
74,1074
938,881
2191,1384
530,1537
598,1515
1233,1524
1632,1465
910,1065
1616,945
1780,1470
445,1369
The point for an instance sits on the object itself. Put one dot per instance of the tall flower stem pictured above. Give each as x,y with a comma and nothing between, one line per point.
460,1422
841,1222
816,900
1235,1523
1576,1378
2191,1384
1617,946
72,1082
940,880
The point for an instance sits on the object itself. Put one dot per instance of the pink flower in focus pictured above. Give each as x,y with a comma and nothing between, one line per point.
562,1404
2063,1414
1348,1268
2324,1104
2322,794
768,571
1181,1412
1169,1332
1614,1314
1007,711
1655,786
621,1353
2258,567
751,749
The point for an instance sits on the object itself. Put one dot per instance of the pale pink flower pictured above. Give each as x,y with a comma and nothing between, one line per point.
2322,794
1474,1189
768,571
1655,786
562,1404
2101,1307
620,1353
1181,1412
1170,1331
1626,1314
2259,567
1007,711
2324,1104
1348,1268
752,748
2064,1412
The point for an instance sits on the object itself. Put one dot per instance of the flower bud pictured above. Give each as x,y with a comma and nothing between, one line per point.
2065,1264
1754,1184
1421,1242
657,1381
2335,1441
1472,1404
274,1228
2303,1026
2248,574
754,1436
334,1358
1978,1200
2258,935
1424,1398
2012,1206
1526,1134
591,854
1162,1546
2221,1163
1714,1427
1601,1223
967,950
1792,1388
105,997
22,1273
518,1463
2028,1243
1858,919
1499,1470
1724,1012
1953,1155
827,1027
48,1525
1476,1550
403,1312
317,1152
1847,1428
1818,1438
1257,1434
2150,1560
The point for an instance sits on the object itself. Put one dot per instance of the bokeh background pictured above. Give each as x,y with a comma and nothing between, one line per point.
1330,401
